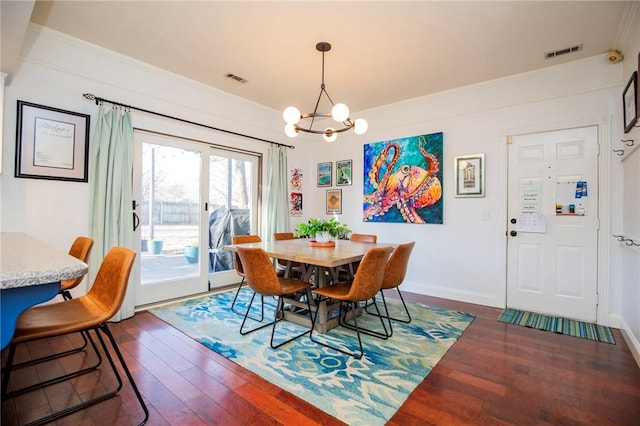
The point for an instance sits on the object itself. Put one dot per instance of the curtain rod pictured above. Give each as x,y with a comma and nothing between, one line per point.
98,100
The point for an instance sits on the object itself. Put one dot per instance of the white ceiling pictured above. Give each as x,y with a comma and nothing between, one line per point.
383,52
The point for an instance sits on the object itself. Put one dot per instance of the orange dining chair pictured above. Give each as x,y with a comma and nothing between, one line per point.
79,249
263,280
364,238
350,269
365,285
283,265
241,239
394,274
86,313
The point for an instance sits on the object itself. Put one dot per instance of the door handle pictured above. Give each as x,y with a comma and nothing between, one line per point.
513,233
136,221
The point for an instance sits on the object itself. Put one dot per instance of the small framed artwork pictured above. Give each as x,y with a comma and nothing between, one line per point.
51,143
334,201
629,102
343,172
469,175
324,174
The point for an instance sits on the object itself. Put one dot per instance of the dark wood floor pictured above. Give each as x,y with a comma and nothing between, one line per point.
495,374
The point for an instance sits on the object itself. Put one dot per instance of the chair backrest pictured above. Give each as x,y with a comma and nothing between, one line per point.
110,286
396,268
368,279
278,236
259,272
364,238
241,239
80,250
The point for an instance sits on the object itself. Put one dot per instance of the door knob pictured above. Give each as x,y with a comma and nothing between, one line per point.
513,233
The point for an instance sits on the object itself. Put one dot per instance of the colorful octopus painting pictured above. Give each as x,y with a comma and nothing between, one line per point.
402,180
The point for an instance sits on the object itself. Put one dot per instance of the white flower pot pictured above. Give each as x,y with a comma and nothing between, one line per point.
323,237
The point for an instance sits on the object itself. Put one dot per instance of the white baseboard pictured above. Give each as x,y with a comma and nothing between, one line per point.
452,294
632,341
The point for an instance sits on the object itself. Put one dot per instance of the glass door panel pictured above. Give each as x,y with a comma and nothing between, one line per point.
232,206
170,220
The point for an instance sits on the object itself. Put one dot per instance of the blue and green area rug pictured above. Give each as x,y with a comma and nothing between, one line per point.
358,392
558,325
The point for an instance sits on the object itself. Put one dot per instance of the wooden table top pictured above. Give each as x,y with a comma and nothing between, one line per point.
300,250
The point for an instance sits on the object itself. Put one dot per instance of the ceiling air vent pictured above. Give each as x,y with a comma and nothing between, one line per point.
237,78
559,52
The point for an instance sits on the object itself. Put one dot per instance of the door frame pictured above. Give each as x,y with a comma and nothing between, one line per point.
603,123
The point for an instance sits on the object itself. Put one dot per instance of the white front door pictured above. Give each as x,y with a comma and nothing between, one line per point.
552,250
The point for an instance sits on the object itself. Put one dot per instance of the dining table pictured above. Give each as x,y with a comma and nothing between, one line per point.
30,273
321,263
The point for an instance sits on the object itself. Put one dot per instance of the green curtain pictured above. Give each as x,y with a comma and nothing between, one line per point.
111,217
277,205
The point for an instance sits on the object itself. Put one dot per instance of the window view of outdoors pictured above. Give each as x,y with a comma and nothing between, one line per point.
170,211
229,208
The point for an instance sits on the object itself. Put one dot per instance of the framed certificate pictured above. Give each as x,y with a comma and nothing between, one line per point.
51,143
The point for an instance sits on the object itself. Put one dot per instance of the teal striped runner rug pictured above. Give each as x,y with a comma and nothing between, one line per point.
559,325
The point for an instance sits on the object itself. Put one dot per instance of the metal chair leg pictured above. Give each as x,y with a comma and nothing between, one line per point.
381,335
50,418
85,341
10,367
356,355
405,321
235,298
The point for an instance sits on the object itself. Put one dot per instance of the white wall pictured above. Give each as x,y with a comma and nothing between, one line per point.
630,256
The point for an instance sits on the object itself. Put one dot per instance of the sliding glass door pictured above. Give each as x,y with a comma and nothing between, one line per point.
232,205
190,200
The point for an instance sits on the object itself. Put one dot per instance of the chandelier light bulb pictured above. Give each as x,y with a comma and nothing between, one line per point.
330,134
340,112
360,126
291,115
290,130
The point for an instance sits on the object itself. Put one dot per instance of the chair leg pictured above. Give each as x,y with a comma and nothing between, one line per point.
356,355
278,318
233,304
235,298
382,335
406,310
10,367
85,342
105,330
95,400
246,315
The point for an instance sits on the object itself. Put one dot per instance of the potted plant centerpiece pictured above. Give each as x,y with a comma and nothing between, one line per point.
322,230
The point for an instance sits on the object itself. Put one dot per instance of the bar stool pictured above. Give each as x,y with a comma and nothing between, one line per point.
86,313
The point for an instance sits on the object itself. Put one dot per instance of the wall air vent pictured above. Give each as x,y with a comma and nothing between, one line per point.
237,78
559,52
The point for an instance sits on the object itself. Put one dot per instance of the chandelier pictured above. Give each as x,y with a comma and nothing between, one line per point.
297,122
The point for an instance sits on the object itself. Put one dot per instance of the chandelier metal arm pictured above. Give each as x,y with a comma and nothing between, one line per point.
293,127
348,123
